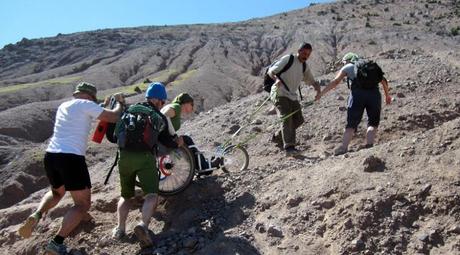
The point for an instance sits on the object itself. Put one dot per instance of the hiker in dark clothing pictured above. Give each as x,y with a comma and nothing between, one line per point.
361,98
284,94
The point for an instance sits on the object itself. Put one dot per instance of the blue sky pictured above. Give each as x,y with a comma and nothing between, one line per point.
44,18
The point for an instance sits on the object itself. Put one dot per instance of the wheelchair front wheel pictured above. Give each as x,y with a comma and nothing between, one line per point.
236,158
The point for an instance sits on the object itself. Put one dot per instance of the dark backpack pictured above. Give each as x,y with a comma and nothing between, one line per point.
368,75
138,128
268,81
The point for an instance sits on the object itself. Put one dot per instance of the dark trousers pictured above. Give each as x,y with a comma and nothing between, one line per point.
196,156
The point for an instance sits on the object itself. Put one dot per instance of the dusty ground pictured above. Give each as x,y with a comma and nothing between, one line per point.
399,197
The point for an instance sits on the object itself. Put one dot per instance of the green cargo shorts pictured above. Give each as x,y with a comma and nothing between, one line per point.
141,164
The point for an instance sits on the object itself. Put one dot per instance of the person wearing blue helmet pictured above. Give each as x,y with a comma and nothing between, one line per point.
156,91
142,165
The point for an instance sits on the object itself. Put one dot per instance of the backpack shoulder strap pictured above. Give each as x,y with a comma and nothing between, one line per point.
140,108
285,68
288,65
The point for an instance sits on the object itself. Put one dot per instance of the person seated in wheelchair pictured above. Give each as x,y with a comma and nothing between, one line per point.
183,104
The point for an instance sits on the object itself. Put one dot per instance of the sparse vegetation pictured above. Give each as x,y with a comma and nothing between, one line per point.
52,82
322,13
409,208
184,77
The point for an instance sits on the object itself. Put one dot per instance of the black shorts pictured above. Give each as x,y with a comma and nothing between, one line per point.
360,100
67,169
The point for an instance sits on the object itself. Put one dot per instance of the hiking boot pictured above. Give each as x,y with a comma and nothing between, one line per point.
54,248
277,138
217,162
365,146
25,231
291,151
340,150
142,233
117,233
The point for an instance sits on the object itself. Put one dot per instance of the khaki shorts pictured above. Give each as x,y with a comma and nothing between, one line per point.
141,165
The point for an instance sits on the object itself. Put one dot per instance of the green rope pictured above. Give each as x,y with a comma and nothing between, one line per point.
251,116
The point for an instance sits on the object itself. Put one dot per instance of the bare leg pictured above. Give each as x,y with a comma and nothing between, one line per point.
370,135
50,200
347,136
148,208
82,200
123,210
141,230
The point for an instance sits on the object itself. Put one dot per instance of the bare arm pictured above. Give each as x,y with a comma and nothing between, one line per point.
386,90
333,84
111,116
317,89
170,112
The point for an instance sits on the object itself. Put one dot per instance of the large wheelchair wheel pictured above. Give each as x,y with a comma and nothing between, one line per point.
176,170
236,158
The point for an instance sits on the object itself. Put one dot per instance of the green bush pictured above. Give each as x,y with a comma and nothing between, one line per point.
454,31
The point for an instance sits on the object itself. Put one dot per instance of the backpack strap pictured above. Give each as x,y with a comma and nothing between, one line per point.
111,168
285,68
304,67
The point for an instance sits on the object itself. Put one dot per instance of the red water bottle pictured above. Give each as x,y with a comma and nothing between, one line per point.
100,131
101,128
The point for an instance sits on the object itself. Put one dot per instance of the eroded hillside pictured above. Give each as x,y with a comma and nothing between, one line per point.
399,197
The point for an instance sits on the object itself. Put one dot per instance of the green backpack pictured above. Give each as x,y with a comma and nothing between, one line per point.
138,128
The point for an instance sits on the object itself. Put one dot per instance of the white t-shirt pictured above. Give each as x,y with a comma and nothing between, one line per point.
72,126
292,77
349,69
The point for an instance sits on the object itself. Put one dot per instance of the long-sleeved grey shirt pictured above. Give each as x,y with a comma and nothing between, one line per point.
292,77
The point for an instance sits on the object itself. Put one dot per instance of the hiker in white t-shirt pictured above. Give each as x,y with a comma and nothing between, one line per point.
285,97
65,163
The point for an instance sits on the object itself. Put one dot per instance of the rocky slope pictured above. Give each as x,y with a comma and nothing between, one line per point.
399,197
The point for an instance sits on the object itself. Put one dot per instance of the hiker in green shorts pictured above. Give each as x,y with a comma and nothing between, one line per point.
141,164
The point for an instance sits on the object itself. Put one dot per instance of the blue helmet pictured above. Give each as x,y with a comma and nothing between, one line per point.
156,90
